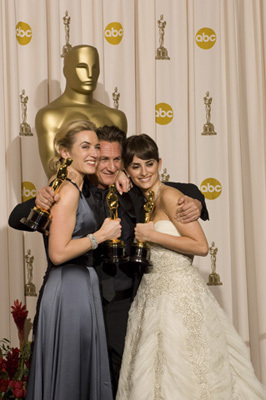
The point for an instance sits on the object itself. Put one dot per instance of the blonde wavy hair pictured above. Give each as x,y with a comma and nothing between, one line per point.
65,138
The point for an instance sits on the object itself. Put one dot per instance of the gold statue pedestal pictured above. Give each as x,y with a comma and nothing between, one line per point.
115,252
30,289
25,129
208,129
140,253
214,279
38,220
162,54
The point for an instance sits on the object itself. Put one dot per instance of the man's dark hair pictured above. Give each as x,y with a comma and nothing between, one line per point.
111,134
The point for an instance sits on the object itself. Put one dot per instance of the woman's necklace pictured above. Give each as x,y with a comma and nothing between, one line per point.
157,192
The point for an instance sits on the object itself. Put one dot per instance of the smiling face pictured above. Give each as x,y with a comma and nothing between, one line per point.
144,173
84,152
109,163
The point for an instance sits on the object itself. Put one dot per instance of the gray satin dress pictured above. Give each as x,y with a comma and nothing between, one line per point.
70,358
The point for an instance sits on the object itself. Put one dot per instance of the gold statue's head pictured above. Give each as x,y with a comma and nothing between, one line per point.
82,68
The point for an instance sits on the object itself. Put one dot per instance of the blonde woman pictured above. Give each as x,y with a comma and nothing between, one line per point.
70,356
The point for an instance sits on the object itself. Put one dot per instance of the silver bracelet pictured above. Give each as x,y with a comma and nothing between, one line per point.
94,243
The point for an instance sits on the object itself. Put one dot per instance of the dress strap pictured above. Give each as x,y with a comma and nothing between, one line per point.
73,183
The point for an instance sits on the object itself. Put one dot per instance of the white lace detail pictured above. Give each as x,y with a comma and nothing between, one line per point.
173,300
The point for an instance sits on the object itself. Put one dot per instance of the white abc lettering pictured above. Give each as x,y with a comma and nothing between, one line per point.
205,38
29,193
210,188
162,113
21,33
113,32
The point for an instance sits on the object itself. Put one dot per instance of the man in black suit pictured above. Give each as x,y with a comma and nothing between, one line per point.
118,282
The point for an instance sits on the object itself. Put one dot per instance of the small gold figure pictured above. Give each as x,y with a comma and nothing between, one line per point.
149,206
67,46
116,97
165,176
115,247
140,251
25,129
112,202
208,128
30,289
61,174
214,278
162,53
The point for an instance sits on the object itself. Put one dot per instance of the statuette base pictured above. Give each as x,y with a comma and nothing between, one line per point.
115,252
38,220
214,279
30,289
162,54
140,253
25,130
208,129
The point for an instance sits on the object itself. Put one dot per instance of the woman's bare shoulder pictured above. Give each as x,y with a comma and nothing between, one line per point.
169,193
68,193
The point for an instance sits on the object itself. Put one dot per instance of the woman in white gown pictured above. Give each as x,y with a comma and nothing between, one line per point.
179,345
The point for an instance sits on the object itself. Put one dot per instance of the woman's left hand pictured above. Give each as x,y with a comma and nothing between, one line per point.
123,183
143,231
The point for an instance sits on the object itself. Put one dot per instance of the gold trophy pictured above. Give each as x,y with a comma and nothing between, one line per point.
208,128
165,176
116,97
25,129
140,251
162,53
115,247
39,219
30,288
67,46
214,278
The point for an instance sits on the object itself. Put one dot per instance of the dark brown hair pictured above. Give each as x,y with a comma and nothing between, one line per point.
111,134
143,146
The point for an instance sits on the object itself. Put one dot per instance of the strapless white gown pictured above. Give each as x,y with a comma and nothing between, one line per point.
180,344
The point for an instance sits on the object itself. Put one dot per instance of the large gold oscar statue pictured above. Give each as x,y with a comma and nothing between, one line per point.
81,70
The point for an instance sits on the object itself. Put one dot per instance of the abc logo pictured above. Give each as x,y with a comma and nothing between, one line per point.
113,33
163,114
211,188
205,38
23,33
28,190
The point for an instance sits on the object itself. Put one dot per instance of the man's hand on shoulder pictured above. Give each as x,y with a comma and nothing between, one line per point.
46,197
188,210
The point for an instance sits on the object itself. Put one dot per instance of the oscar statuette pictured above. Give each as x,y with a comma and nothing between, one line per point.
67,46
162,52
140,251
115,247
214,278
208,128
38,218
